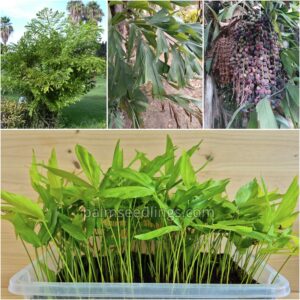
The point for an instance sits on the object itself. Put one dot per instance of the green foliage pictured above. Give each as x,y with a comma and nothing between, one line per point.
155,207
158,46
190,15
265,115
53,64
14,115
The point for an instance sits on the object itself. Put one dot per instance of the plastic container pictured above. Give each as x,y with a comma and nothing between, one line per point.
24,283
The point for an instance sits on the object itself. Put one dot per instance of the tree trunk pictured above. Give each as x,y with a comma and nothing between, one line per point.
208,103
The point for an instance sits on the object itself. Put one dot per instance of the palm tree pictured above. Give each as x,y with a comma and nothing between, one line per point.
76,10
93,12
6,29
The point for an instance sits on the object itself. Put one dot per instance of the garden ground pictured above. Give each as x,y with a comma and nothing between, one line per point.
90,111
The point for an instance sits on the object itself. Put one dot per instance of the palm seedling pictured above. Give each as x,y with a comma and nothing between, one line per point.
149,221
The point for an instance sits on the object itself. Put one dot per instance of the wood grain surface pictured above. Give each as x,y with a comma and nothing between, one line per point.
238,154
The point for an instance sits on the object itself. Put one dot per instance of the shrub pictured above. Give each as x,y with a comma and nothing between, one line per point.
14,115
153,222
53,64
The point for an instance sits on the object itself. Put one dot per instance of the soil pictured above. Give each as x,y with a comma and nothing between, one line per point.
235,273
167,114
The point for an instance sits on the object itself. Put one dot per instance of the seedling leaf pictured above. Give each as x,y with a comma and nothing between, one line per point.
157,233
126,192
23,204
89,165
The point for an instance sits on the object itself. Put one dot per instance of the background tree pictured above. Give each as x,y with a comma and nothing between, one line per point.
52,65
93,12
84,13
6,29
101,51
76,10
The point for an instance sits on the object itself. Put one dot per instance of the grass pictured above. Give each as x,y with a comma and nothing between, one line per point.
90,111
11,96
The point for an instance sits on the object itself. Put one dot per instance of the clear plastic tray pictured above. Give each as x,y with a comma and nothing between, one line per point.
24,283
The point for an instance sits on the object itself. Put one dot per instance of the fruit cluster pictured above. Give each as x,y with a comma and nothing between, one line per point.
254,67
221,65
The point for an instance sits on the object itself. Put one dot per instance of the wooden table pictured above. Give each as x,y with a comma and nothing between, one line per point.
238,154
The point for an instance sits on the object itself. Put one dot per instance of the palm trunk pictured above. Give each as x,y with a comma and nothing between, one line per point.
208,103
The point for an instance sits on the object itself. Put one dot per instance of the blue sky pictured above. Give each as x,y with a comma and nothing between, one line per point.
21,12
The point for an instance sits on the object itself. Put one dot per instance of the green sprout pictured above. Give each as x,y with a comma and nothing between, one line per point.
149,221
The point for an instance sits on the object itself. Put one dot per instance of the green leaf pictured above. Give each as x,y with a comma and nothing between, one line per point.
181,37
234,228
118,18
193,149
290,63
174,175
157,233
176,170
293,53
288,203
245,231
208,63
68,176
162,44
161,18
169,166
23,204
132,175
206,34
246,192
118,157
139,100
215,187
171,213
22,229
89,165
54,181
216,32
141,4
131,39
265,115
126,192
51,218
186,171
289,220
230,11
35,176
74,231
184,3
293,91
151,73
176,72
252,120
152,167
